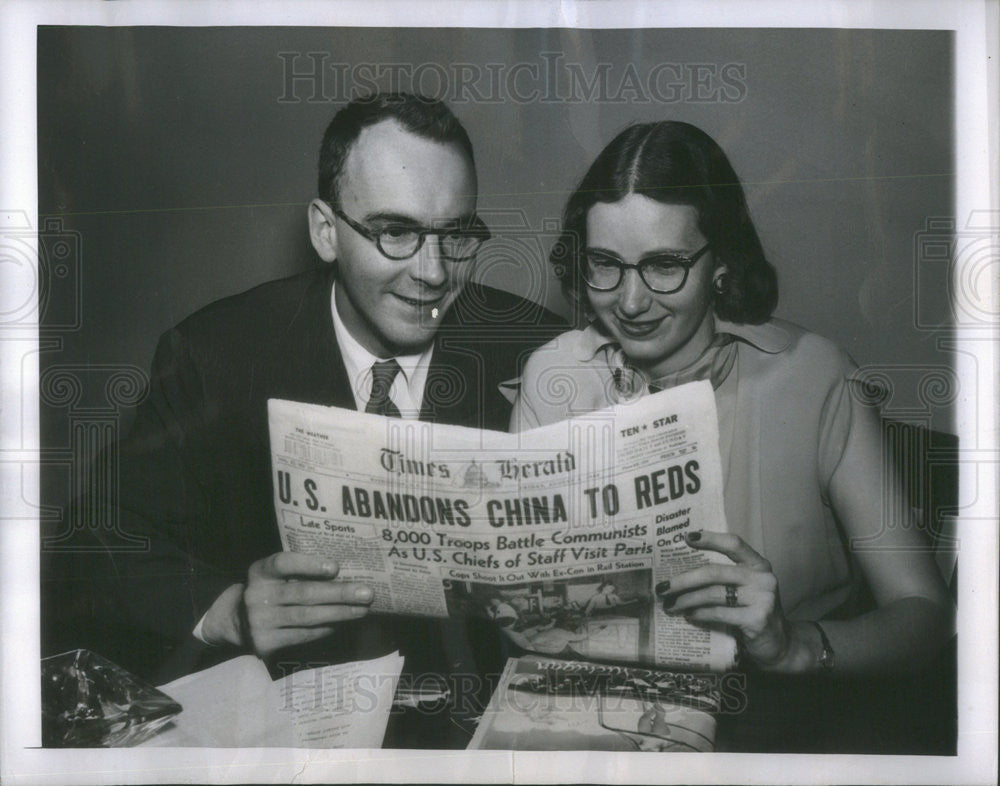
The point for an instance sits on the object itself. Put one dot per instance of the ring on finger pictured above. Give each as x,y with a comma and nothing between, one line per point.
732,599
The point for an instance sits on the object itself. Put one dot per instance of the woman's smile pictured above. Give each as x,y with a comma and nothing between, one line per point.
639,328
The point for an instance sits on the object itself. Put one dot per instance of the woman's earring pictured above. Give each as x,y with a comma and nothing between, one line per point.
720,283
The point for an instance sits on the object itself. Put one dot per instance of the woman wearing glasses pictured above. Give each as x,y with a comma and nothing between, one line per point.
660,253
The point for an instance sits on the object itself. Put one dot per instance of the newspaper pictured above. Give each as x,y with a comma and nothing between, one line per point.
543,704
560,534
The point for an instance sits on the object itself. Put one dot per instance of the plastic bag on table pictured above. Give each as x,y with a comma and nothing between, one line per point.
88,701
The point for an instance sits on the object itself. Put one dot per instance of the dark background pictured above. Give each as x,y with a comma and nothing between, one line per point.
175,166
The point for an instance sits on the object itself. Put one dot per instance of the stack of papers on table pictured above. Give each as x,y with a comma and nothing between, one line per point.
237,704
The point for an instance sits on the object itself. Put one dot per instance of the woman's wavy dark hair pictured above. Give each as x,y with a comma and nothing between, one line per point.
675,163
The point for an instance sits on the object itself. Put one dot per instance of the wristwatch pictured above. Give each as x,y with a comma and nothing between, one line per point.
826,657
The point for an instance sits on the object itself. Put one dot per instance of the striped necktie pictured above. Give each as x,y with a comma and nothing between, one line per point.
383,373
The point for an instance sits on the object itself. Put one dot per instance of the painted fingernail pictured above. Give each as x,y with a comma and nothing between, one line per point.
663,588
694,537
668,602
363,593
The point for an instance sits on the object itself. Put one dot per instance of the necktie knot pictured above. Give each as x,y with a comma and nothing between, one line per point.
379,403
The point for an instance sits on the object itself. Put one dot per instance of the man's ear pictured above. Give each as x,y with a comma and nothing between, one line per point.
323,230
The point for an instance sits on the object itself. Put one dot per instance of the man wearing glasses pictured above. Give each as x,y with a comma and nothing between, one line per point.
390,325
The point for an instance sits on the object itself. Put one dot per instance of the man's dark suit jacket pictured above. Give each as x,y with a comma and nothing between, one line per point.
195,468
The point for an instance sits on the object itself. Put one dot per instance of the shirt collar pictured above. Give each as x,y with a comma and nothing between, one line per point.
359,360
770,337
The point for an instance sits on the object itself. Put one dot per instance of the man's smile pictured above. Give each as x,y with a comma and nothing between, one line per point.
422,302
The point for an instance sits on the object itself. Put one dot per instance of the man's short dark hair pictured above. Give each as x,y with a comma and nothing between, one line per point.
425,117
675,163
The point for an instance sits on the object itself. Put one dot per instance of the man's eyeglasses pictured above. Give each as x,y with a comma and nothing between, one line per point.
662,273
458,240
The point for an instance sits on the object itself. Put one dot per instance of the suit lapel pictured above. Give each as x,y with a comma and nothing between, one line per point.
305,363
454,384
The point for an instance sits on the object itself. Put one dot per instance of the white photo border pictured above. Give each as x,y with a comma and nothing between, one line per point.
22,761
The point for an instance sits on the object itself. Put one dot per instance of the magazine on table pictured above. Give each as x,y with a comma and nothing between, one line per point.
545,704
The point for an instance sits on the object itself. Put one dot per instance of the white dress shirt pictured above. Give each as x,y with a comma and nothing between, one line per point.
407,391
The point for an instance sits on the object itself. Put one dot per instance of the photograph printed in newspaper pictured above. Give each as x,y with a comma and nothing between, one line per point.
545,704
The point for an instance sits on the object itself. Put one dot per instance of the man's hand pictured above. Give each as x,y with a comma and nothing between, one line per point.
288,599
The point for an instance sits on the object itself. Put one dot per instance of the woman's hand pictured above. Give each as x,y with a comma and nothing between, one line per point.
744,596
